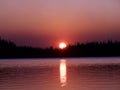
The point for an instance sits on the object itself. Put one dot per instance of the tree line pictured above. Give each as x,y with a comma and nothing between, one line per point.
9,49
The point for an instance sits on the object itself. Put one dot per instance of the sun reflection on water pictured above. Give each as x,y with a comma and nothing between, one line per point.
63,75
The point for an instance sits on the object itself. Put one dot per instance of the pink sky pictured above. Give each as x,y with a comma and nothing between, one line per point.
44,23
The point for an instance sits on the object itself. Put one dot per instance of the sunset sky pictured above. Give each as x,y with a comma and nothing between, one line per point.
45,23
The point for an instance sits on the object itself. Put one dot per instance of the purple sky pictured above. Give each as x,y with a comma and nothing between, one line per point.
44,23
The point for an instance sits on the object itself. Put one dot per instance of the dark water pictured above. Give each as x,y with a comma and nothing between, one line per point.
60,74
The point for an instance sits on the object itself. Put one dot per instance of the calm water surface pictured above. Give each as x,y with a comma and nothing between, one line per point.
60,74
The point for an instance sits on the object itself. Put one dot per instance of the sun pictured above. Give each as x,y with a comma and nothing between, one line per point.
62,45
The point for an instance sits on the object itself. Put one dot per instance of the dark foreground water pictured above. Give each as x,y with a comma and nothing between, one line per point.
60,74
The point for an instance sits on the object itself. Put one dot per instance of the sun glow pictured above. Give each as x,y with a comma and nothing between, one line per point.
62,45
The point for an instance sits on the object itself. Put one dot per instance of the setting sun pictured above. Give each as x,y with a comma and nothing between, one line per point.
62,45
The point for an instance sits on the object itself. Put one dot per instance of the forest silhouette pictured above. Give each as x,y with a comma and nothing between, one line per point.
9,49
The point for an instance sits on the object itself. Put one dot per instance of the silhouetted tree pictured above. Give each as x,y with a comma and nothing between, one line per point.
92,49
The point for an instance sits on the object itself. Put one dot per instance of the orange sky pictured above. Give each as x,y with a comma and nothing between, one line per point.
44,23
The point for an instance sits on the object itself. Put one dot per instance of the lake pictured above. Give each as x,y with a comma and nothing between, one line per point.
60,74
